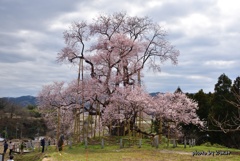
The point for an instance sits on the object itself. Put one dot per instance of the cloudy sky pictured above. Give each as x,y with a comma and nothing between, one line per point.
207,33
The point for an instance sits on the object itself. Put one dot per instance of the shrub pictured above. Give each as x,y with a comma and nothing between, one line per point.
208,144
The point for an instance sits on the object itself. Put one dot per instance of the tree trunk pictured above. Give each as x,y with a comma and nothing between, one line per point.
160,131
168,134
58,125
99,120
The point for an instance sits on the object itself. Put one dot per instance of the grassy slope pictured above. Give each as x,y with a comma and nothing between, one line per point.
114,153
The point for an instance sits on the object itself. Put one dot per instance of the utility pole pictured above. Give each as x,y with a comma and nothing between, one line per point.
16,129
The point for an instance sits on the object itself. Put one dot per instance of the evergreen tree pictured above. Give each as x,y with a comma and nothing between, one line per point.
204,103
236,86
221,113
221,108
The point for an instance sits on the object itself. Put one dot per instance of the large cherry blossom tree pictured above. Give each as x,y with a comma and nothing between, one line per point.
110,53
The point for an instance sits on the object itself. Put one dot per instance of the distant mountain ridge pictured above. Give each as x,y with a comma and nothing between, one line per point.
23,101
154,94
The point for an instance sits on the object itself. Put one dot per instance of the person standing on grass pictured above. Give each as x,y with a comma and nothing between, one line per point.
11,146
43,144
5,147
21,147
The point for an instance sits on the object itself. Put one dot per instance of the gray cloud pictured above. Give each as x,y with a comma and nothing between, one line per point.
171,11
32,13
206,33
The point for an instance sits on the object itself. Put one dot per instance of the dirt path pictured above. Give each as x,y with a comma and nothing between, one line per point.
47,159
176,152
